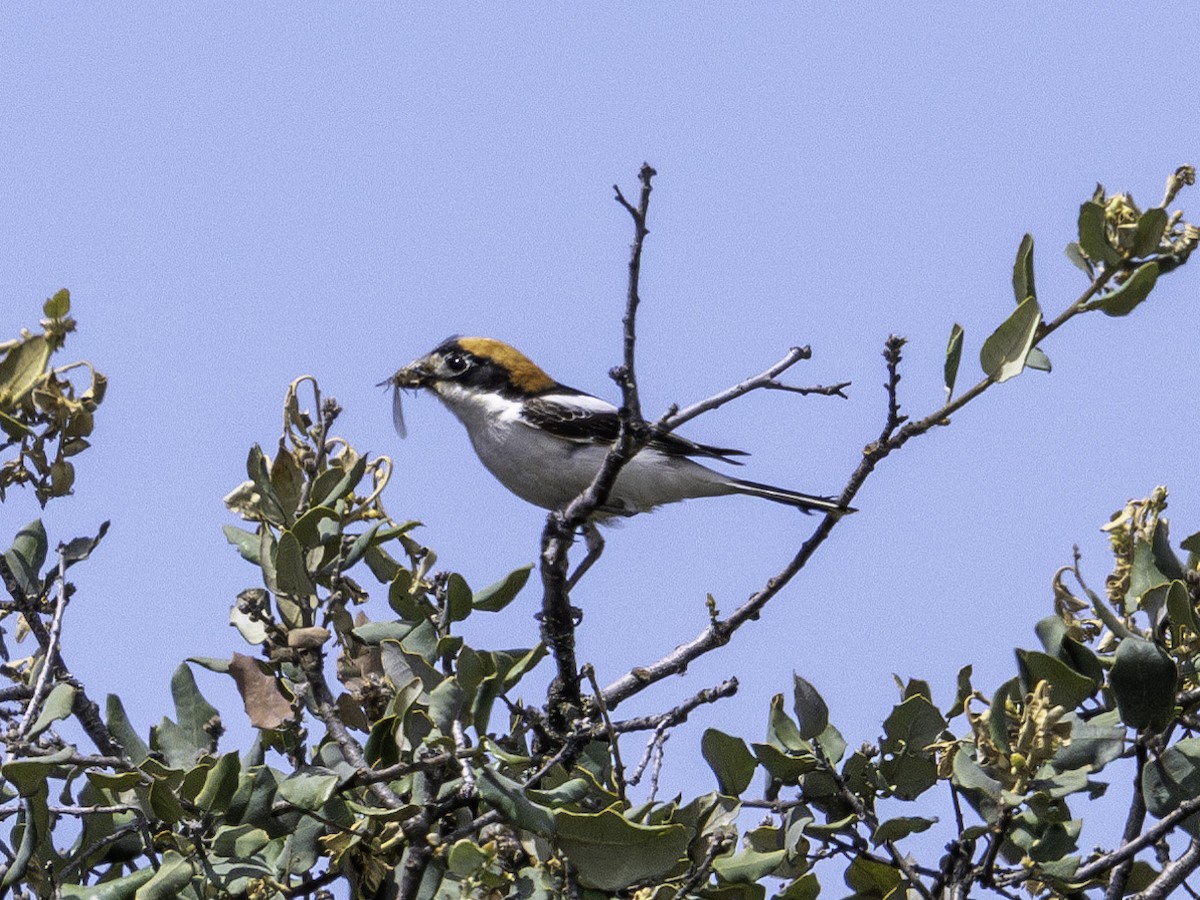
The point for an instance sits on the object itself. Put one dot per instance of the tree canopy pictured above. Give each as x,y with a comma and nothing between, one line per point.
392,759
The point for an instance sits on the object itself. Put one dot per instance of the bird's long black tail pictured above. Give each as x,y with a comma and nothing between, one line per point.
808,502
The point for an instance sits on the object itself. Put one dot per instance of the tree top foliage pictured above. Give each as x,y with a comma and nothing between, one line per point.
392,759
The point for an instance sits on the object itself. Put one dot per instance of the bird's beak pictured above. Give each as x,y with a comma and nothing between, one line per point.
417,374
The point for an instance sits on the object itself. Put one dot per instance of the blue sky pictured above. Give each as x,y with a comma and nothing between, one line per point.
237,194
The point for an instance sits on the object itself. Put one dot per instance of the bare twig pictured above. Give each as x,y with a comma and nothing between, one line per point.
680,713
824,390
654,750
765,379
614,742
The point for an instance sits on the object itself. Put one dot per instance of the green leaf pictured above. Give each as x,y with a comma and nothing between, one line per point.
748,866
1191,543
1093,235
29,775
980,789
1094,743
1144,574
360,545
220,784
782,731
193,712
26,557
1022,277
173,875
381,563
121,729
908,765
465,858
1136,288
900,828
996,721
80,548
308,788
22,368
912,725
1037,360
291,571
782,767
965,690
1068,688
508,797
1004,353
246,542
1074,254
269,504
1143,681
288,481
610,853
56,707
446,702
811,711
1179,606
185,741
495,597
1150,227
1174,777
806,887
458,597
59,305
315,526
240,841
953,358
872,879
730,759
115,889
336,484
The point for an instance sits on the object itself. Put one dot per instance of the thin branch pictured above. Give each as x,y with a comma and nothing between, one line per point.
469,788
1150,836
868,818
366,776
50,659
558,625
1173,874
765,379
680,713
717,844
1133,827
321,704
897,431
654,750
614,742
824,390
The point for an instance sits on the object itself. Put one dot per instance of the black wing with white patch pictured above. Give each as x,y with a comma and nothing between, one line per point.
587,419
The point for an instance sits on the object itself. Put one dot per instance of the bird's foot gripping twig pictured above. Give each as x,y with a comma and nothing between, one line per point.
594,542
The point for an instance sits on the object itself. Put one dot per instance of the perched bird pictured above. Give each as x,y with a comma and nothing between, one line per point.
545,441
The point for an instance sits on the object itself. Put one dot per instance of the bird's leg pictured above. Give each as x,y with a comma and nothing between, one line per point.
595,546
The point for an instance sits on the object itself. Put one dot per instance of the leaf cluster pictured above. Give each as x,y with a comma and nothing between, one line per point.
41,416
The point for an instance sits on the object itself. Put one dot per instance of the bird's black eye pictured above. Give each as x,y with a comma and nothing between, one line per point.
455,363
